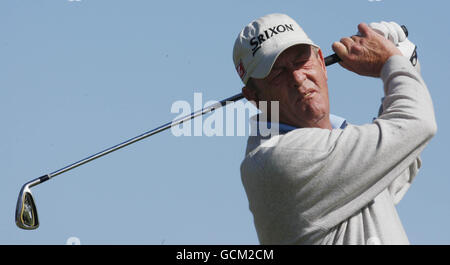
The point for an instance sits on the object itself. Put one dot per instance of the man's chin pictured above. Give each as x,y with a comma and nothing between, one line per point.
323,121
318,121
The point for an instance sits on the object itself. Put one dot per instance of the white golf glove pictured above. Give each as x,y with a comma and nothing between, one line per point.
394,32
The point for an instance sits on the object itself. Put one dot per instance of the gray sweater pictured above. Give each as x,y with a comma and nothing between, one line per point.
340,186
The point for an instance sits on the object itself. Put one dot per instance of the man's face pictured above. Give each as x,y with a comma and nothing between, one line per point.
298,80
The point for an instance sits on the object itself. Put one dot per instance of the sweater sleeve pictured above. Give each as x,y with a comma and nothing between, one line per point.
367,159
399,187
330,175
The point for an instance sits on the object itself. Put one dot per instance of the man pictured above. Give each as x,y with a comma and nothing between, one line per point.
321,180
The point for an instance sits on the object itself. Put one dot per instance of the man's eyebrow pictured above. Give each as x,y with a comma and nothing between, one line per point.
302,54
296,57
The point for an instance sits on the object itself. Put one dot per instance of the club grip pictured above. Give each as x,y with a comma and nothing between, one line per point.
332,59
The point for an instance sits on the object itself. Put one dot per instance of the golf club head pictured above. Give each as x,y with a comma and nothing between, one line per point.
26,213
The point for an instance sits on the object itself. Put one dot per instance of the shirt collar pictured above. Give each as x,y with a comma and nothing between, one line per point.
336,123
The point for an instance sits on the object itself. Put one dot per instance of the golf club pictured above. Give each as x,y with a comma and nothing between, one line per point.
26,212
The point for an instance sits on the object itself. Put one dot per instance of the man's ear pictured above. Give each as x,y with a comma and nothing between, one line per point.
322,62
250,95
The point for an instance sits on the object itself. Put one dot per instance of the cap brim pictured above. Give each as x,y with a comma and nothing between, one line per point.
269,58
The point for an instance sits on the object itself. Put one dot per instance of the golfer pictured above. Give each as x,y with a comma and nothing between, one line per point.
322,180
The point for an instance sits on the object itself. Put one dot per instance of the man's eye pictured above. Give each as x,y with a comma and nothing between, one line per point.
277,74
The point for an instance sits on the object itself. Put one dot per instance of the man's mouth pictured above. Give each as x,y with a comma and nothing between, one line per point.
308,94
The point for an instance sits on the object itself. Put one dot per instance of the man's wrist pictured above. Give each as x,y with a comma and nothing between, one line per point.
393,64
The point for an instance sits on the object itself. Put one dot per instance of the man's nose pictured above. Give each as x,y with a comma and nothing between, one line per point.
297,78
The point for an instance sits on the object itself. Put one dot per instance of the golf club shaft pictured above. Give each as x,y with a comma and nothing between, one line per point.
146,134
328,61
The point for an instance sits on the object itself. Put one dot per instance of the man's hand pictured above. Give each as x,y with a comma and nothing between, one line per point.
365,54
394,32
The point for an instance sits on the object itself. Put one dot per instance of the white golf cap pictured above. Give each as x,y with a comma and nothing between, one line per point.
261,42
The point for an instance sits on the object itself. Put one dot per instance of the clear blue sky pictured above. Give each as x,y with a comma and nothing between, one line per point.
78,77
